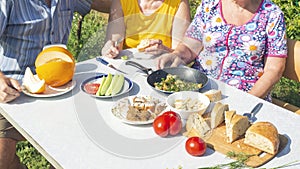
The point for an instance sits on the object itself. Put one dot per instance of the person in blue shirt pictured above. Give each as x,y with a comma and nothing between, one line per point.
26,27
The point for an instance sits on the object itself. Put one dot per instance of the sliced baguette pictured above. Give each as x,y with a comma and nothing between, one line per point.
143,45
217,114
236,125
263,136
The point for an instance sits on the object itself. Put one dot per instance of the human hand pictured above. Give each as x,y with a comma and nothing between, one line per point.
169,60
9,89
110,50
156,47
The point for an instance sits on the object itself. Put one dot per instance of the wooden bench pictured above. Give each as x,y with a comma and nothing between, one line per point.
292,71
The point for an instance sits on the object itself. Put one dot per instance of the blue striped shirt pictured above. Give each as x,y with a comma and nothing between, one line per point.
28,25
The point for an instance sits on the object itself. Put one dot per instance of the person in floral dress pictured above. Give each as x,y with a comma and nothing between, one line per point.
240,42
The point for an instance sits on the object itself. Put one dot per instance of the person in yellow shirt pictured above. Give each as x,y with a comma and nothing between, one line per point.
161,22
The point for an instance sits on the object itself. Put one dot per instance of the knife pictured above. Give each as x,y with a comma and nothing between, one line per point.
106,63
251,115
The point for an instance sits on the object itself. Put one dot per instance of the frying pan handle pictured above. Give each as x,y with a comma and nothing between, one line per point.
139,66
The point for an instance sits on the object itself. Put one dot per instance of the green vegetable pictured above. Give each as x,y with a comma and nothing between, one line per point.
112,85
119,85
106,84
101,86
125,57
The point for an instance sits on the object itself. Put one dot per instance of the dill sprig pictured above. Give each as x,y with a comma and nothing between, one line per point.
241,159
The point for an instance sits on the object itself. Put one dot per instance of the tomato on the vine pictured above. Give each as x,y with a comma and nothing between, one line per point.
167,123
91,88
195,146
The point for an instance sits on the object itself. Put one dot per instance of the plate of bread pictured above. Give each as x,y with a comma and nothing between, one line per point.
138,110
225,130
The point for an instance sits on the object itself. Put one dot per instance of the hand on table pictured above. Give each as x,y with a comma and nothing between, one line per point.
9,89
110,50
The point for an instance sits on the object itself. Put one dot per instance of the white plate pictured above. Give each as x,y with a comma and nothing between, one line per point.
121,107
53,91
126,87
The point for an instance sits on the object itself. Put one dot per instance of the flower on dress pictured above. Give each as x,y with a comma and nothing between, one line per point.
251,47
209,40
217,20
209,62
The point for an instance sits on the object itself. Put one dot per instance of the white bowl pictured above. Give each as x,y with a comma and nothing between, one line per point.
188,102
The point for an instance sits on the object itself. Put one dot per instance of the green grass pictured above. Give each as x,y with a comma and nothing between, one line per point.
92,39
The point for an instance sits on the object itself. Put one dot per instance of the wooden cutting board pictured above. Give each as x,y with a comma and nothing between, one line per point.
217,141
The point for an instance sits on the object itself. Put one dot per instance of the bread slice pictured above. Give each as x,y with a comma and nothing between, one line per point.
263,136
214,95
143,45
236,125
196,125
217,114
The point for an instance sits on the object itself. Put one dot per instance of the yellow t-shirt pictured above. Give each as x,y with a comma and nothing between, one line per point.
158,25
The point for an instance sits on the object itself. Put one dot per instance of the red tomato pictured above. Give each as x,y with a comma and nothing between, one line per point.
91,88
195,146
161,126
174,122
167,123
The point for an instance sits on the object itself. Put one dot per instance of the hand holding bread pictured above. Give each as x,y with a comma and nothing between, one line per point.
153,46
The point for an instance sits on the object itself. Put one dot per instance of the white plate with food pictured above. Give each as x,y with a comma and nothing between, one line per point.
138,110
91,85
53,91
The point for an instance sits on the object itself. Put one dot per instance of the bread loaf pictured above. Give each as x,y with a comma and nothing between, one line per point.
196,125
236,125
214,95
217,114
263,136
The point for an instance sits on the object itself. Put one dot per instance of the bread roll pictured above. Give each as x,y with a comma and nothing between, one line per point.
214,95
217,114
143,45
263,136
196,125
236,125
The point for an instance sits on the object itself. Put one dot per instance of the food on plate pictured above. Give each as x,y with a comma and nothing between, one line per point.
196,125
173,83
236,125
111,85
145,43
213,95
188,104
142,109
263,136
217,114
167,123
91,88
56,65
195,146
33,83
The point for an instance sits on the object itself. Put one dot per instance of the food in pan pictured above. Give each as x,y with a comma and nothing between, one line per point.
173,83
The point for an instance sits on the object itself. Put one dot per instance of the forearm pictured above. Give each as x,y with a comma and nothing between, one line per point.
184,53
272,74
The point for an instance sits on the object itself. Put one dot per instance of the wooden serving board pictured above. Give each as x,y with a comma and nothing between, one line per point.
217,141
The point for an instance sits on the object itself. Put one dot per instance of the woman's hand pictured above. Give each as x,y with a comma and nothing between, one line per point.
156,47
110,50
9,89
169,60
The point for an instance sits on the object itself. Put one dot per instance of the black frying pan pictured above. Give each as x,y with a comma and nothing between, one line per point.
184,73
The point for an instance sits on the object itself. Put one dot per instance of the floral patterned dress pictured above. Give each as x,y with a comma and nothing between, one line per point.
236,54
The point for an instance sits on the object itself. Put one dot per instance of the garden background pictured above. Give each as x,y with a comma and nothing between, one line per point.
87,43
